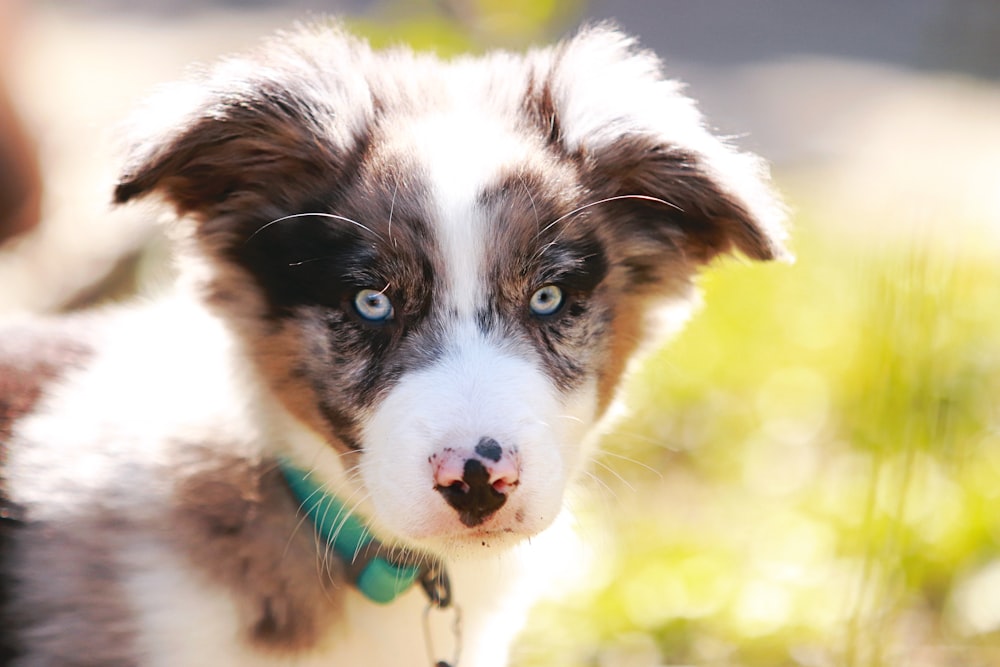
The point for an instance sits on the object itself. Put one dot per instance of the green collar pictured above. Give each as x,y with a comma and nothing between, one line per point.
379,573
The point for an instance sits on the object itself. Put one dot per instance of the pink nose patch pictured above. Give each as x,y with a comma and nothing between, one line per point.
476,483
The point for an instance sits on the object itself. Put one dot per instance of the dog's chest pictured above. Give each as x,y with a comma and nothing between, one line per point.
159,538
180,621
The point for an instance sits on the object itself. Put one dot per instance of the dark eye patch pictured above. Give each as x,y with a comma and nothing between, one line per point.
309,260
577,265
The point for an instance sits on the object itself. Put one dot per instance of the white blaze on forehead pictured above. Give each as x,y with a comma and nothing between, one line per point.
462,151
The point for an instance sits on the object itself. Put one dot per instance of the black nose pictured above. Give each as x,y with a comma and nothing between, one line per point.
474,497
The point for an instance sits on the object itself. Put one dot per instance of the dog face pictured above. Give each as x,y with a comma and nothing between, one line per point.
442,268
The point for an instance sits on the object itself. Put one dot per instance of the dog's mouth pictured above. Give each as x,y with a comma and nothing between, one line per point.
500,526
488,536
474,543
446,533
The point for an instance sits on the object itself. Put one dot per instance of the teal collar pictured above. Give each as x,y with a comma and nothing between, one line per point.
380,574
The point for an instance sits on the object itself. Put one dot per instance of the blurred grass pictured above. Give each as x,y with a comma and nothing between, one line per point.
828,435
451,27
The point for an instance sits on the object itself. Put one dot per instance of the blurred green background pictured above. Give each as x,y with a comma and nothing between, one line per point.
809,474
823,474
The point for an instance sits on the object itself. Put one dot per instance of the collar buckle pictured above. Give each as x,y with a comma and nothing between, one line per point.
436,584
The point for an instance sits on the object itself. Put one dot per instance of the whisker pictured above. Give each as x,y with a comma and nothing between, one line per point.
650,468
604,485
615,474
312,259
392,207
365,534
527,191
323,550
638,436
572,418
606,200
319,215
345,512
325,555
303,515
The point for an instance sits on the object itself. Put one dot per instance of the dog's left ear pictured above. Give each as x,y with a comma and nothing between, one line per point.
253,134
643,144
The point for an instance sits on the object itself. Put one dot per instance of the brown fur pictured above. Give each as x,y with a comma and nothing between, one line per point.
31,359
627,335
281,357
20,180
78,615
705,220
238,524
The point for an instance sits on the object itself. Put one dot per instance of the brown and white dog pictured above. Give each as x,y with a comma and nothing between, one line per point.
410,289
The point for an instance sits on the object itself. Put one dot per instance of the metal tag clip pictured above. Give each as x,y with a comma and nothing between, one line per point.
456,631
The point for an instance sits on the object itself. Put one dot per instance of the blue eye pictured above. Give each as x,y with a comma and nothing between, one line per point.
546,300
373,305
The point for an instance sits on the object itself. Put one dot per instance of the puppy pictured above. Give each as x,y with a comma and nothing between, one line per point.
410,288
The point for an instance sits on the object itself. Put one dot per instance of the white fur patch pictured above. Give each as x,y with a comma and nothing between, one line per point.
109,439
462,151
476,390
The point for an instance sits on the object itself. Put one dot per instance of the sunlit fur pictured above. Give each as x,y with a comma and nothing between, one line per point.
304,175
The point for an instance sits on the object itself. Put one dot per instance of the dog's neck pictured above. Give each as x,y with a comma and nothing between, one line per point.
380,573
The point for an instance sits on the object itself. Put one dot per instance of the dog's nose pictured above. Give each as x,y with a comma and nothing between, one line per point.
476,484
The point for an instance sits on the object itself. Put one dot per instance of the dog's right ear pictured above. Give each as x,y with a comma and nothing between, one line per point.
644,148
254,134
